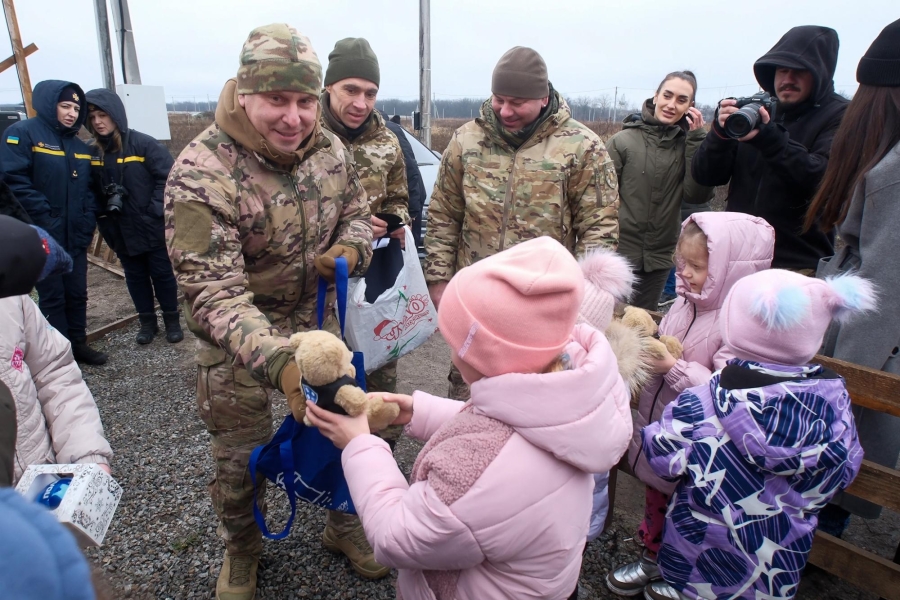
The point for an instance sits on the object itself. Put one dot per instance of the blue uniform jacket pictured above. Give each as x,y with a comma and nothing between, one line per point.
49,169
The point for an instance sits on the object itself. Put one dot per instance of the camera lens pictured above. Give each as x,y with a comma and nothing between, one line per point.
115,195
743,121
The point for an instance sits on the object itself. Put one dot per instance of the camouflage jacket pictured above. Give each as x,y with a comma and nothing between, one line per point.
378,160
242,234
560,183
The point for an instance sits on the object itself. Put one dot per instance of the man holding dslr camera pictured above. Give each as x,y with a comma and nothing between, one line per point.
774,146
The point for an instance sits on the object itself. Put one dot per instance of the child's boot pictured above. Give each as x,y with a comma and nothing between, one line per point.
631,579
660,590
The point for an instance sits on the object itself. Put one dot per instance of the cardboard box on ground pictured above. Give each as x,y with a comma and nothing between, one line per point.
88,505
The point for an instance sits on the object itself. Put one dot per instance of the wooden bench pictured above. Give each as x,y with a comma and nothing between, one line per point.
878,391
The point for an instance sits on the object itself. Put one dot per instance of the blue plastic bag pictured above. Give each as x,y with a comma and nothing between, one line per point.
299,459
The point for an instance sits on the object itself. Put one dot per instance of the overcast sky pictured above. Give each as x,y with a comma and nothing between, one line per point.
191,46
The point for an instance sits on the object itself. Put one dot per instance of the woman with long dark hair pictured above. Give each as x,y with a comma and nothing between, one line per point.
652,155
860,197
129,184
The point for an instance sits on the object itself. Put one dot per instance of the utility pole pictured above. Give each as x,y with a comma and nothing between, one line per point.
425,69
125,37
616,106
107,71
19,54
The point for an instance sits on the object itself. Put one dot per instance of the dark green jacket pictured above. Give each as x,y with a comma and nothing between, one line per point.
653,165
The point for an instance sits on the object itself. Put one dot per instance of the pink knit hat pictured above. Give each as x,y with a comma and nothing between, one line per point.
780,317
608,278
512,312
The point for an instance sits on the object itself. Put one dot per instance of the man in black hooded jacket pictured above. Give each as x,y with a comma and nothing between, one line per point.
774,170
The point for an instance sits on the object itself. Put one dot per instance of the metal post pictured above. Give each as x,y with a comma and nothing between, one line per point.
19,53
616,106
125,38
425,69
105,45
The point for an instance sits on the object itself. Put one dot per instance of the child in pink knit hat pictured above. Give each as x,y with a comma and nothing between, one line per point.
498,501
760,448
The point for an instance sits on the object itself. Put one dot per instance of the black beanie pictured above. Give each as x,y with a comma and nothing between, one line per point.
352,57
880,65
69,94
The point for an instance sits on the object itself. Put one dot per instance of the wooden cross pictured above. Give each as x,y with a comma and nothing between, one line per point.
18,57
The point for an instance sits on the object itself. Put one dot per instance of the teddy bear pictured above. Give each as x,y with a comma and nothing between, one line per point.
328,380
640,320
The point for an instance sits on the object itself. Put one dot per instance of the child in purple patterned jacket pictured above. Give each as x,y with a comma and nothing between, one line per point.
761,448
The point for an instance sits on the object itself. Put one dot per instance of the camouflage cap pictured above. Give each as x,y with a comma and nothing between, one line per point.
276,58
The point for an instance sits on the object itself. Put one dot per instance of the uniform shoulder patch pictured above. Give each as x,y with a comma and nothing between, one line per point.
609,173
193,227
11,139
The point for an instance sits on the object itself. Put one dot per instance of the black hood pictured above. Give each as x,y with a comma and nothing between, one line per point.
808,47
110,103
45,98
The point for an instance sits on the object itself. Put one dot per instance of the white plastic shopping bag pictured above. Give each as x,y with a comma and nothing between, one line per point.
398,321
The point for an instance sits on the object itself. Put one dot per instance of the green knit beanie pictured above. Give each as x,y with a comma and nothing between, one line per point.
352,57
276,58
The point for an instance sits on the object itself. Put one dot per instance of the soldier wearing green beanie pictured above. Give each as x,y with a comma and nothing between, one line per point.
257,208
348,103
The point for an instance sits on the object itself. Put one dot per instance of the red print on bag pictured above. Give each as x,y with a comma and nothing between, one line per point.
17,359
416,310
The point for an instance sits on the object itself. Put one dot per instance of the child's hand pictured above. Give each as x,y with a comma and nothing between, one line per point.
403,401
663,364
340,429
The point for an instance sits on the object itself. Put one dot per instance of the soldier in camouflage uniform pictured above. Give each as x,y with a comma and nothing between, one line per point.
257,207
348,103
524,169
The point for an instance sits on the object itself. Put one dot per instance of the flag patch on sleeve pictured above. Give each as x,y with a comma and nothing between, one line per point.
12,140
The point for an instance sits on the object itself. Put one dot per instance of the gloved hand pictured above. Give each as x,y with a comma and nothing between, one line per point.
290,385
325,263
58,260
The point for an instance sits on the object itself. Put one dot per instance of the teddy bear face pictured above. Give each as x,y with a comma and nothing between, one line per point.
322,357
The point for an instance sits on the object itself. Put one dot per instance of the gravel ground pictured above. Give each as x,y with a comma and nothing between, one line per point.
162,542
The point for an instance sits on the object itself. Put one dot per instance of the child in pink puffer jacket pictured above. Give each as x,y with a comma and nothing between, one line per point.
499,498
714,251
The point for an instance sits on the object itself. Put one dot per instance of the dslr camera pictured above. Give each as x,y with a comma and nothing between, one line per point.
746,119
115,196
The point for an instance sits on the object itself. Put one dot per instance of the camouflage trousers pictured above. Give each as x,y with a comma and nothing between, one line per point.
237,412
458,389
384,379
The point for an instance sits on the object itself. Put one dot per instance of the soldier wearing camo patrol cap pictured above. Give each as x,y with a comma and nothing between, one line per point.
257,207
348,110
524,169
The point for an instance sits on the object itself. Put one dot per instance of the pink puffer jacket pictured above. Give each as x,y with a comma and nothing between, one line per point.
500,496
56,418
738,245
